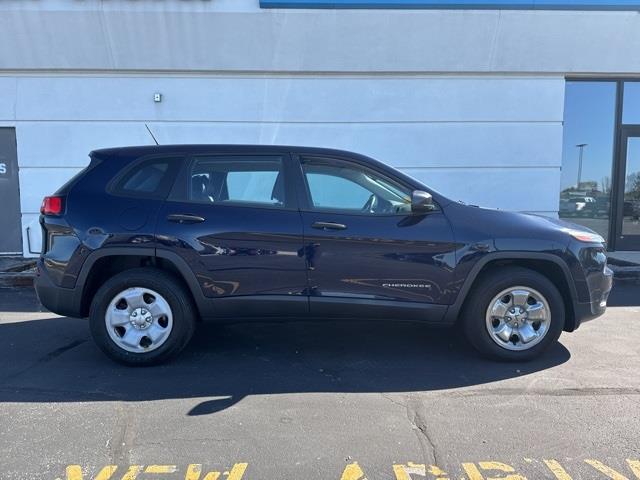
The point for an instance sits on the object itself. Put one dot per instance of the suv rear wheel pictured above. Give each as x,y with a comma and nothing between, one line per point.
142,317
513,314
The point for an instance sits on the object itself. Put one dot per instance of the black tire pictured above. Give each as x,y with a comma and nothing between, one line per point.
182,309
491,284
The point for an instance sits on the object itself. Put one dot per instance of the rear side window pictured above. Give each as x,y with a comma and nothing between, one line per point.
151,178
240,180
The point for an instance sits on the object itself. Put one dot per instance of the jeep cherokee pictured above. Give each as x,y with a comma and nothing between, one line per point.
147,241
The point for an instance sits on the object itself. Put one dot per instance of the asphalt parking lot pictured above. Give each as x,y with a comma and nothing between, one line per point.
318,401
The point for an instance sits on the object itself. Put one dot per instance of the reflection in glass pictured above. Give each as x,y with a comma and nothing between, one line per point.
631,208
587,154
631,103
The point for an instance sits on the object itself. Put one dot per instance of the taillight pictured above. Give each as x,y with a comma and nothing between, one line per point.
51,206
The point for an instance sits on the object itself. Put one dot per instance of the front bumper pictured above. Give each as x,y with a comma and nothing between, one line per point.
599,289
63,301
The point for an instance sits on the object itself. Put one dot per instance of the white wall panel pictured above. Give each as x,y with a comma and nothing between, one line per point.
40,38
517,189
36,183
7,98
293,99
55,144
398,144
493,141
235,35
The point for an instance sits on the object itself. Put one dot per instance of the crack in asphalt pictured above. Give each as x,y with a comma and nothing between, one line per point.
419,426
121,441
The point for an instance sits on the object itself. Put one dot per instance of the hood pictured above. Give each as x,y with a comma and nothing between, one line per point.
508,229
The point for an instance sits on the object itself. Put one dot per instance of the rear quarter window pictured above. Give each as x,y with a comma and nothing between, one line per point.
151,178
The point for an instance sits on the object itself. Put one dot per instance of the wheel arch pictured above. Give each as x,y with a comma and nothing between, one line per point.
105,263
548,265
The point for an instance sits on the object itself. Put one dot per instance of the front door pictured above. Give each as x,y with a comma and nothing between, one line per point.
234,220
367,254
11,238
627,225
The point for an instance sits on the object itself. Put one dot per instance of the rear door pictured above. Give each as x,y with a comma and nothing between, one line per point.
234,220
367,253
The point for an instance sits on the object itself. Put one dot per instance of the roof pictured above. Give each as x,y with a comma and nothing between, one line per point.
190,149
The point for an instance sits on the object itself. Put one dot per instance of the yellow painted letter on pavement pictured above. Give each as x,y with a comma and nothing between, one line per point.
634,465
74,472
133,472
474,472
353,472
404,472
161,469
608,471
559,472
236,472
194,471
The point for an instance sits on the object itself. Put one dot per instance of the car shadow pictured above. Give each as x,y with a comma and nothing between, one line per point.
54,360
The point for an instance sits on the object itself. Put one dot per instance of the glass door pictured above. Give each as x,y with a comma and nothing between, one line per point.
628,190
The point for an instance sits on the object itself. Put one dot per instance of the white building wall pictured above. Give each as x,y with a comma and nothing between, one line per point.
492,140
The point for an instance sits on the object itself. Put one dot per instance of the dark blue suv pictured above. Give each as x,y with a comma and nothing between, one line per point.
148,241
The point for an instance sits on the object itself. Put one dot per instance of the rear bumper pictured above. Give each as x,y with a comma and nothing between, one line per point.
599,289
63,301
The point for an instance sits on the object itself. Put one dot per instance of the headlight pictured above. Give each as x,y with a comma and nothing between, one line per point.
584,236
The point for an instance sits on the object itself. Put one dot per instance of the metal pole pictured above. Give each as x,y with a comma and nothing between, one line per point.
581,147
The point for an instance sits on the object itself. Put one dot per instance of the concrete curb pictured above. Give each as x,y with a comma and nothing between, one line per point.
17,279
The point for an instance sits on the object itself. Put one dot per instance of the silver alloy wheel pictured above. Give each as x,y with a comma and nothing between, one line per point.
139,320
518,318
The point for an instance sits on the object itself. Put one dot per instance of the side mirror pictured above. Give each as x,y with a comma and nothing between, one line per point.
421,202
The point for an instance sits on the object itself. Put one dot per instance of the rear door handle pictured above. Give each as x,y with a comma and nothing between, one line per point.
329,226
185,218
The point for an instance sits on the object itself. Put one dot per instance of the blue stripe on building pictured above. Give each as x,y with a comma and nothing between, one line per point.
459,4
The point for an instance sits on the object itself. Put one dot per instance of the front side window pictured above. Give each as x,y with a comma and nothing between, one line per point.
342,186
251,180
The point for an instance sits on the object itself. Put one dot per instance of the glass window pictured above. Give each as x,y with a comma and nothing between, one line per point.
631,208
631,103
587,155
343,186
256,180
151,178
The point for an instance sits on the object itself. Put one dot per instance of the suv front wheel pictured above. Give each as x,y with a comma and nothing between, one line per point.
513,314
142,317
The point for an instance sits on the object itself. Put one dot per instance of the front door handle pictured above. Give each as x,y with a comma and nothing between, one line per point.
185,218
329,226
